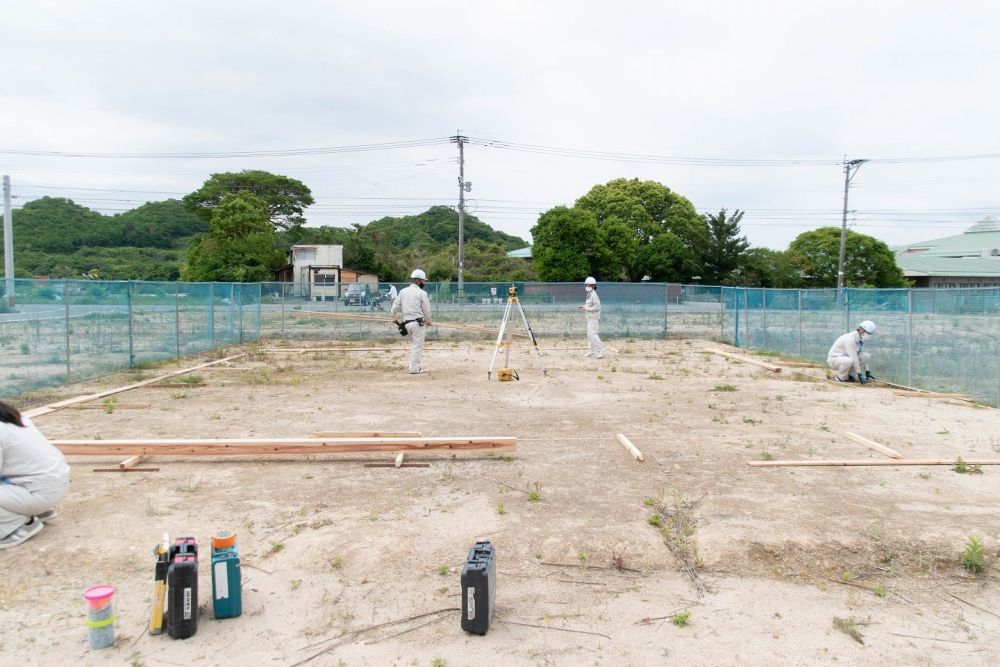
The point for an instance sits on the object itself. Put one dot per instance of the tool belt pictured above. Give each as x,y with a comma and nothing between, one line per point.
402,325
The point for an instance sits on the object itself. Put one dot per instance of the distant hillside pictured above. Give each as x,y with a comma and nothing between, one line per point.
61,239
392,247
58,238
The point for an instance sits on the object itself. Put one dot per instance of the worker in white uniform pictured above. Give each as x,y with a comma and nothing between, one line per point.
411,310
592,309
847,355
33,478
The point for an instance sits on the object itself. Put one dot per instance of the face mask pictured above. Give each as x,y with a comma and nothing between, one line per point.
423,285
589,288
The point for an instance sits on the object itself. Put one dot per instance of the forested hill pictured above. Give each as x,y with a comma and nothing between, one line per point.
391,247
58,238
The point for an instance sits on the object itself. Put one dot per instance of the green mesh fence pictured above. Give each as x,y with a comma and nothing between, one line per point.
939,339
66,331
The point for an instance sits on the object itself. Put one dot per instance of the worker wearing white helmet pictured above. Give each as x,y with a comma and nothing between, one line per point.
411,311
592,309
847,355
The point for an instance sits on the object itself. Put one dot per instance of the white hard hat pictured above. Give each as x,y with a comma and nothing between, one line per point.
590,281
417,273
868,326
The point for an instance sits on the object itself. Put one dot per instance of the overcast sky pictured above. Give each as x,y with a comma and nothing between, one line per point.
731,81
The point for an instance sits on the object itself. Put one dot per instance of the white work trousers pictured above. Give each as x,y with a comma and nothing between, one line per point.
843,365
18,504
594,344
417,334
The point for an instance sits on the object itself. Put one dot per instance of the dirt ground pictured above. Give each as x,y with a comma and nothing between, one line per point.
352,565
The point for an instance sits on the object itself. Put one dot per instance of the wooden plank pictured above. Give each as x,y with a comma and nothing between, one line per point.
393,465
399,459
131,461
871,444
364,434
796,364
633,450
930,394
126,469
52,407
280,446
873,462
746,359
114,406
178,385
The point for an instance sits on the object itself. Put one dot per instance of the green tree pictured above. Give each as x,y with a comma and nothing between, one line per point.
569,245
240,245
763,267
868,262
725,249
663,259
646,209
284,198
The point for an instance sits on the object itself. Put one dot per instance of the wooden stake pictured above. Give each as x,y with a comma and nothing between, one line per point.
633,450
873,462
178,385
364,434
52,407
399,459
871,444
131,461
744,358
280,446
126,469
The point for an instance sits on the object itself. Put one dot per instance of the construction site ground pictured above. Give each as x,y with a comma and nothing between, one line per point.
345,564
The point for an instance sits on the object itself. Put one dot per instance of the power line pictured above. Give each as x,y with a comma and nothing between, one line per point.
284,152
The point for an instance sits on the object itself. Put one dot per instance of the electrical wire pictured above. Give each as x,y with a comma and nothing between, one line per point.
284,152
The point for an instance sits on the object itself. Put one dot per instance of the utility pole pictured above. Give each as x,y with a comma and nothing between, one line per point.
463,187
8,245
850,169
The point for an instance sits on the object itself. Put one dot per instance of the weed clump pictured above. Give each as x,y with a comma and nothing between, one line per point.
973,558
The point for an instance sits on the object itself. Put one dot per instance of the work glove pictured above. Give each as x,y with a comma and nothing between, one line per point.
869,376
862,379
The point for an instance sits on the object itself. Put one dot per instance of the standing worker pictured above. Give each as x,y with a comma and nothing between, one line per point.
413,306
592,309
33,478
846,355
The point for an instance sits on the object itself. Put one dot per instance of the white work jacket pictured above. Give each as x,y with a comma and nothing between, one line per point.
412,303
27,458
848,345
592,306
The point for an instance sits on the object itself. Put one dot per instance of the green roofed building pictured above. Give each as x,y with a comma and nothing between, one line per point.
970,259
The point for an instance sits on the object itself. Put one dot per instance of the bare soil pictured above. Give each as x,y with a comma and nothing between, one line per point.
347,564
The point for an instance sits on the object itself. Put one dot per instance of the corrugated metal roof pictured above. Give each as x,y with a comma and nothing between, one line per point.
976,252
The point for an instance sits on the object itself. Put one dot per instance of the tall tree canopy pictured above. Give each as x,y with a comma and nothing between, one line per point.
633,212
284,198
868,262
763,267
725,250
240,245
569,245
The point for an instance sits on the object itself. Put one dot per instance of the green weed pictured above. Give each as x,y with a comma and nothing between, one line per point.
972,556
681,618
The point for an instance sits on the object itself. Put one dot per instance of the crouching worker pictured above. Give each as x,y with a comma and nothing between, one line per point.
33,478
847,355
413,306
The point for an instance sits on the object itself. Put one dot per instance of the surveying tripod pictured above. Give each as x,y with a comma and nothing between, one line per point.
506,327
